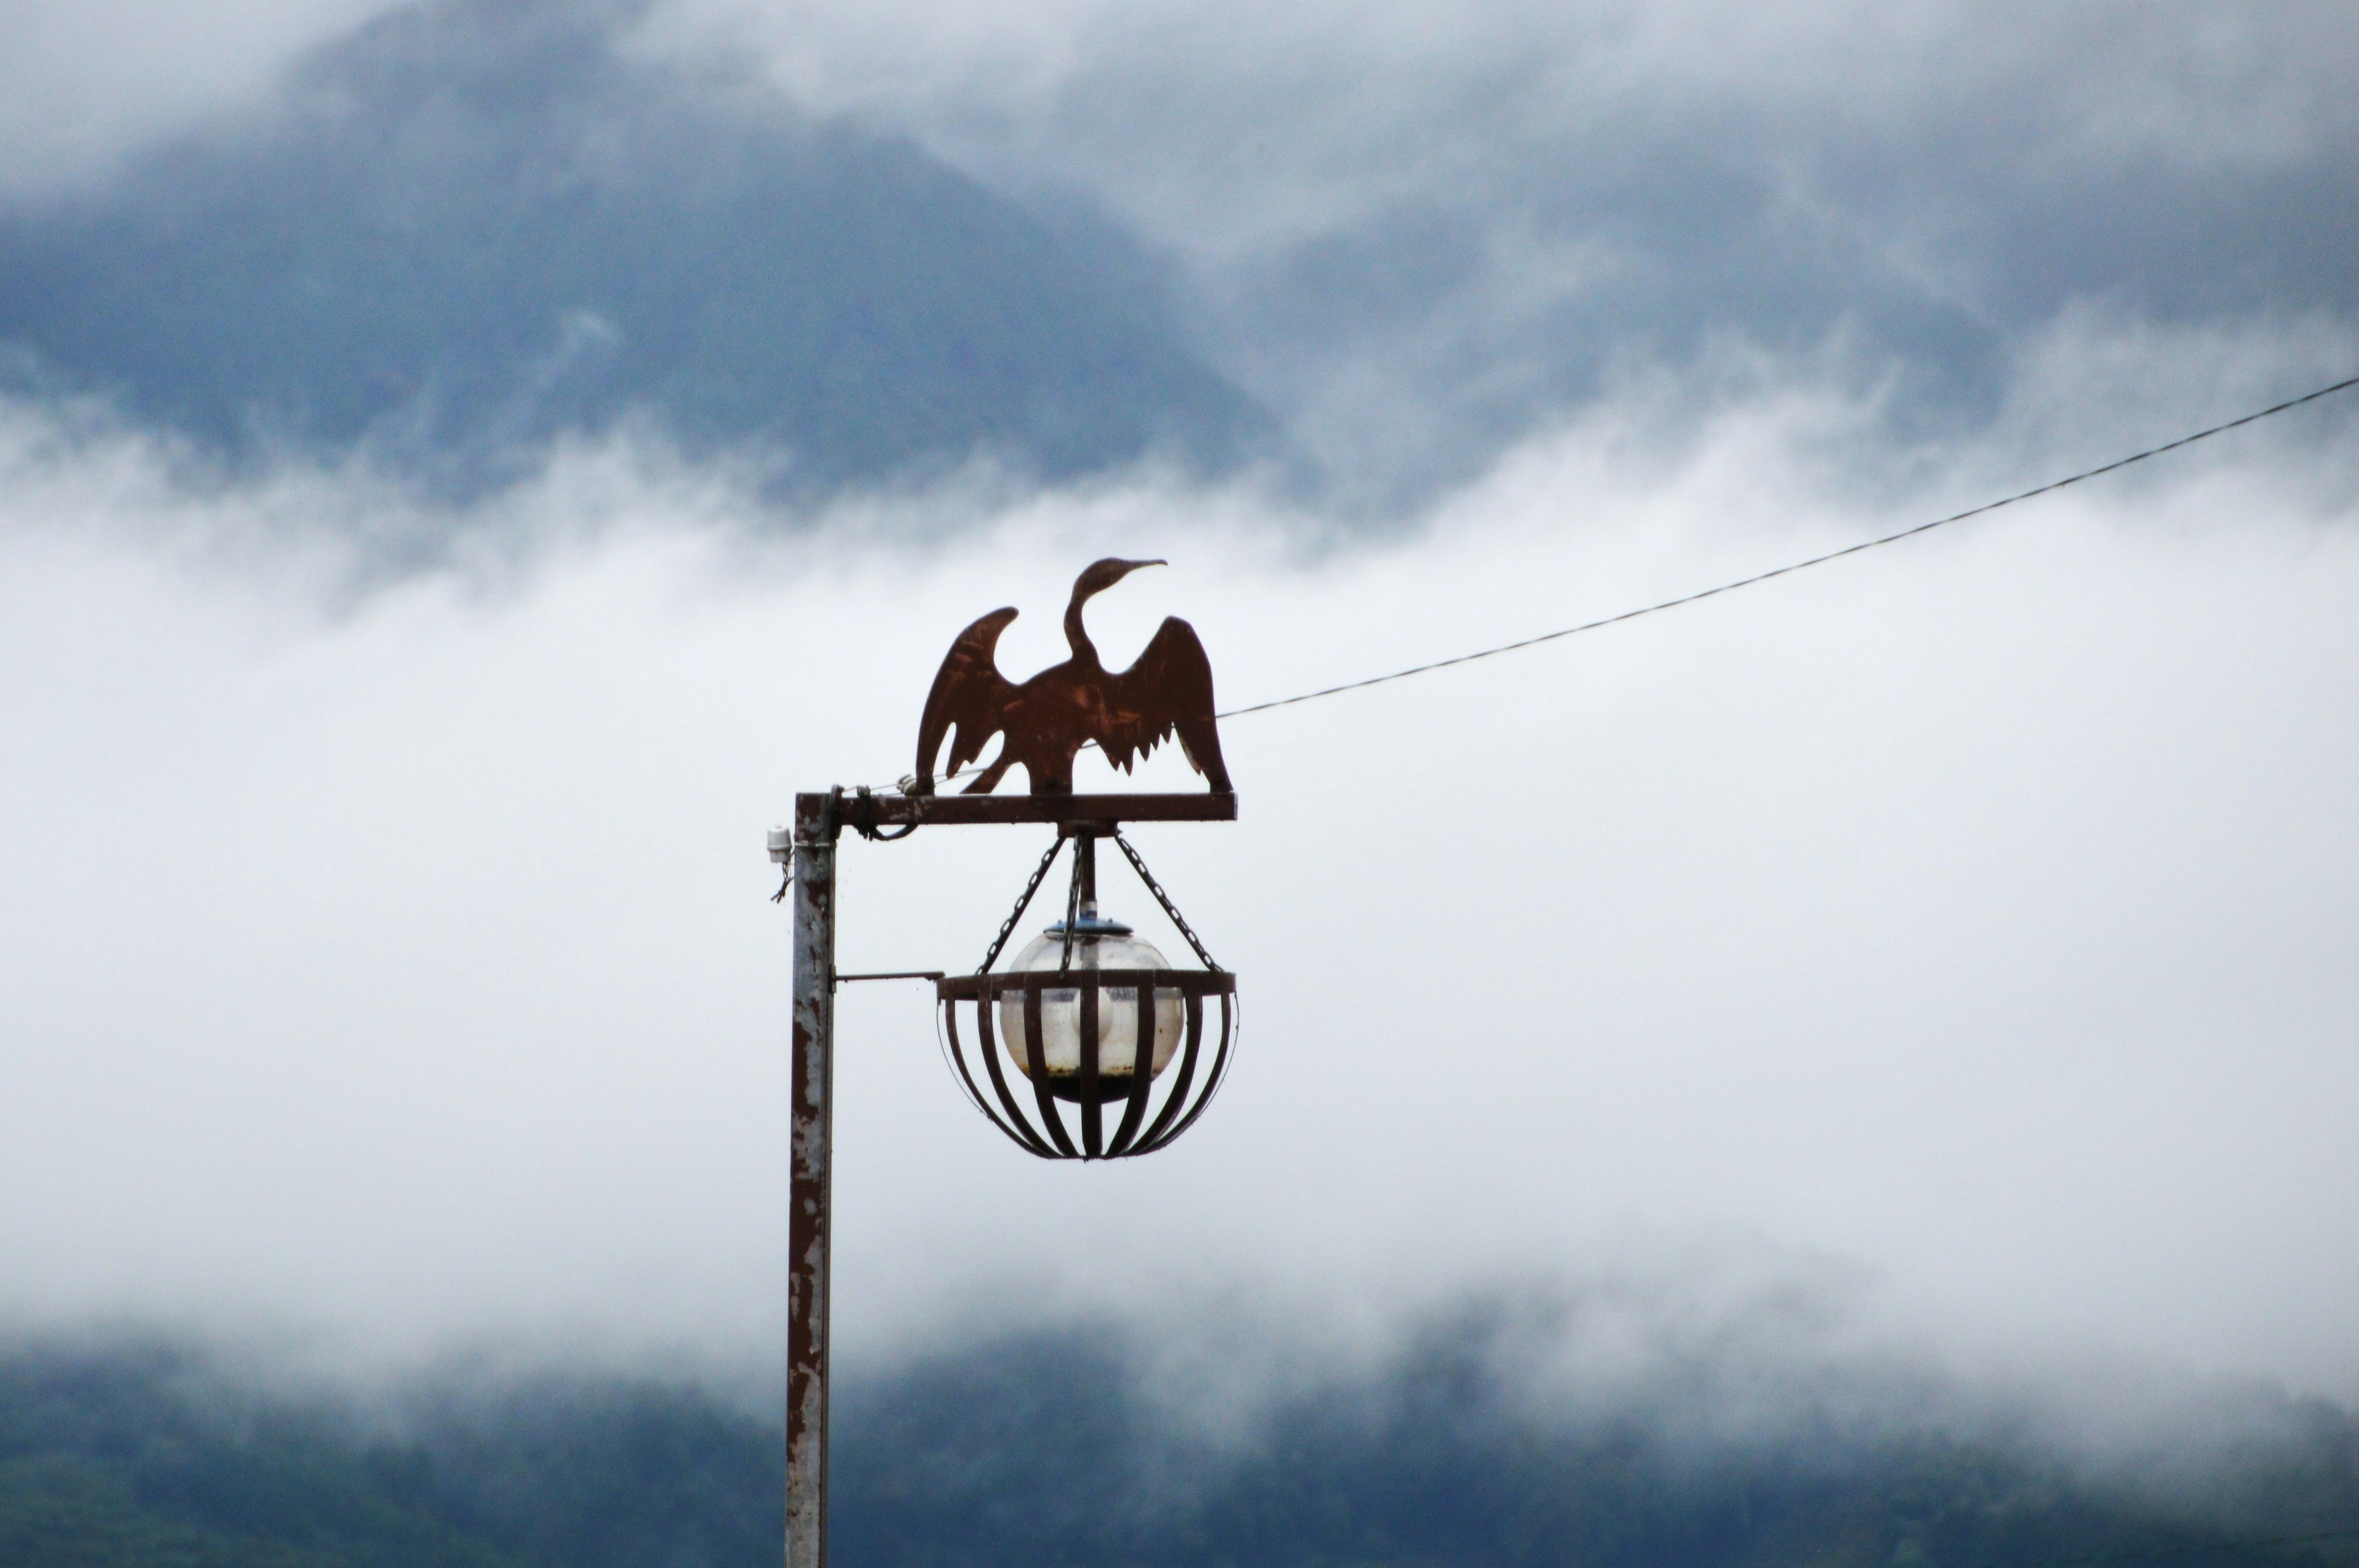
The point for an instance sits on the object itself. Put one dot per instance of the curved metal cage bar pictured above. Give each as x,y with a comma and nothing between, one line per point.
1155,1108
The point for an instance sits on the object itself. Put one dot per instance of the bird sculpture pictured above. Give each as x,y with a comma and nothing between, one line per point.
1049,718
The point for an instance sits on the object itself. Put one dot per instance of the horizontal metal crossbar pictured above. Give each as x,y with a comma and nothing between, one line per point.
956,810
1187,982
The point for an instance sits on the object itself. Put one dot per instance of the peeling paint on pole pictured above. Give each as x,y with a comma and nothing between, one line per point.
806,1230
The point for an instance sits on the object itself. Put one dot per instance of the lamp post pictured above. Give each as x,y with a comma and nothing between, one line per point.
811,1190
1068,1047
1096,1029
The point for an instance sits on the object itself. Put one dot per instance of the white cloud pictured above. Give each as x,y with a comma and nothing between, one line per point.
1226,128
1417,236
1974,911
83,84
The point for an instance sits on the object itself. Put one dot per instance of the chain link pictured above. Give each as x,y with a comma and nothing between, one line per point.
1040,872
1164,899
1022,903
1073,904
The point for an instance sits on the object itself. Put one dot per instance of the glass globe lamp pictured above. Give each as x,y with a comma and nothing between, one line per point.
1098,944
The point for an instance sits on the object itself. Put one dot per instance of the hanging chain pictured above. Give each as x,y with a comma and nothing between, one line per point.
1022,903
1165,900
1072,900
1072,905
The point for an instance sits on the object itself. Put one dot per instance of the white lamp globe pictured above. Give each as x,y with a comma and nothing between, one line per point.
1098,944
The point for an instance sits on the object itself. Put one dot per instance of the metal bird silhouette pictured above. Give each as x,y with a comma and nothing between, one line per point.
1049,718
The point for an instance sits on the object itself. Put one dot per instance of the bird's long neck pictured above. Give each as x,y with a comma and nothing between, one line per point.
1077,636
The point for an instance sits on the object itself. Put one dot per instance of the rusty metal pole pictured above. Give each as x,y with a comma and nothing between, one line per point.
816,830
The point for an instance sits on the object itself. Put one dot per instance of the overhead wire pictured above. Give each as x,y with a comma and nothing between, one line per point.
1911,532
1792,567
1892,538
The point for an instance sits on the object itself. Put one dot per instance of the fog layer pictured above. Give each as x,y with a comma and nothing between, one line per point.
1964,924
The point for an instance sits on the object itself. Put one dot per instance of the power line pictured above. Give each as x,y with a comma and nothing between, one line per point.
1792,567
2191,1551
1910,533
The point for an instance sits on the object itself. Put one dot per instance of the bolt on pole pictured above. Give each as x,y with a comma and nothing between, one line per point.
814,845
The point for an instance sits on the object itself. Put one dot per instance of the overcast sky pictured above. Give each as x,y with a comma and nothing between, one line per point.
1955,939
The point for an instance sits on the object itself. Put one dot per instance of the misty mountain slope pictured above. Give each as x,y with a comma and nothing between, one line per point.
606,1473
1047,1448
130,1459
1425,234
1440,1457
146,1457
1419,340
471,230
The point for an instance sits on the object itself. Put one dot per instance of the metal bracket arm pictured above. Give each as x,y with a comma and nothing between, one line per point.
813,820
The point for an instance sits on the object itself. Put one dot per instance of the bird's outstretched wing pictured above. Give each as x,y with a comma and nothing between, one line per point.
1168,689
970,693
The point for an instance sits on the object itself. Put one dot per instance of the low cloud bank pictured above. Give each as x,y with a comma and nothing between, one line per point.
1458,1443
393,953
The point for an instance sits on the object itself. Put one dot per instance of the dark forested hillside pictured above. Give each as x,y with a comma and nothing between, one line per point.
1043,1451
